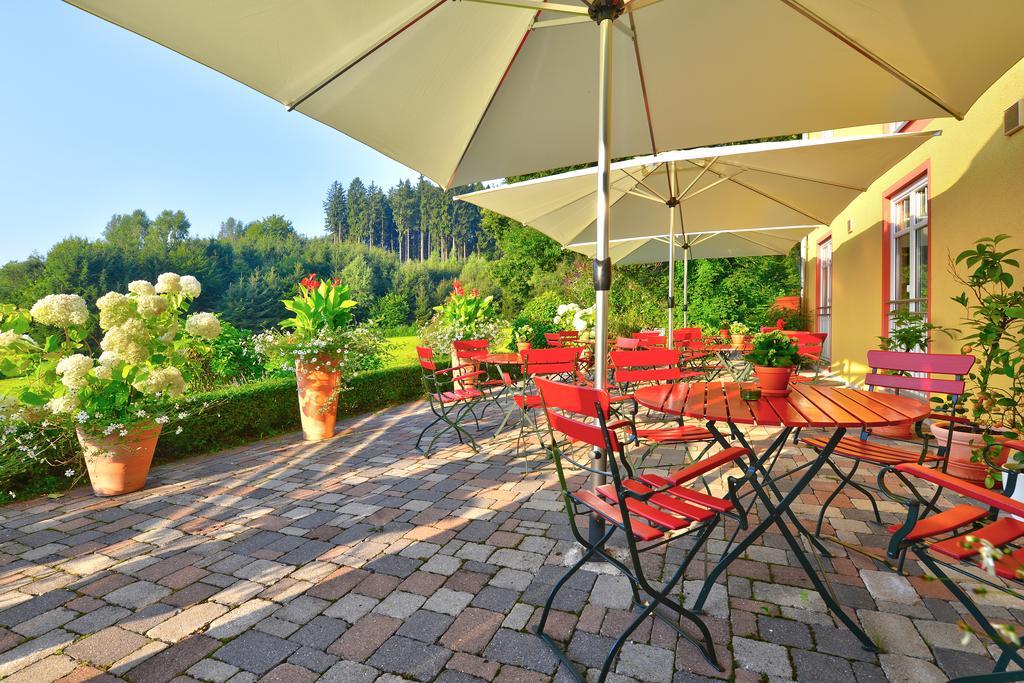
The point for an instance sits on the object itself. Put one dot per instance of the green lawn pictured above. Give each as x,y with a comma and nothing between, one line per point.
404,352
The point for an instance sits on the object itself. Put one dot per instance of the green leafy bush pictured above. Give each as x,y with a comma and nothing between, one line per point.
391,310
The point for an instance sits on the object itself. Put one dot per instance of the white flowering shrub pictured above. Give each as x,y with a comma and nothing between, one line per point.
573,317
131,377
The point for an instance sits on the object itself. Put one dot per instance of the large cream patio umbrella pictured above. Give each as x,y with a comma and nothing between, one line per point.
737,200
469,90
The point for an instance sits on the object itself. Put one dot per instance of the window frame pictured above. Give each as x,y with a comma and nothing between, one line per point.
918,178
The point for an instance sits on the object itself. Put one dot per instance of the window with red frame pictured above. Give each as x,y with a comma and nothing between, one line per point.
908,249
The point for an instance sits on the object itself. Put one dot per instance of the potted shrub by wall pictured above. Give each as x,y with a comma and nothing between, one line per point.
910,332
738,331
994,324
463,316
115,397
774,356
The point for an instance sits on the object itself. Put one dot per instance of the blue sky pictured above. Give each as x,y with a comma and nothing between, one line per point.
95,121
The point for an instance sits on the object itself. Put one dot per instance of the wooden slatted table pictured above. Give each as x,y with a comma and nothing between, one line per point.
807,405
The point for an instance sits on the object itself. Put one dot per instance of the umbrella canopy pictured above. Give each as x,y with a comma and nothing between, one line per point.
718,193
774,184
481,89
705,245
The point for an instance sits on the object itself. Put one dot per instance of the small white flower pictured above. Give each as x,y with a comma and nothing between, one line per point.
11,494
179,430
162,420
69,473
82,416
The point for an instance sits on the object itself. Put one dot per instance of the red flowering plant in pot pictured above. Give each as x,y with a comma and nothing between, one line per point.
463,316
992,409
322,346
774,356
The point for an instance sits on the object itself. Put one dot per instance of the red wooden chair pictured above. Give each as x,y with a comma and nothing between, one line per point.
651,339
495,386
627,344
810,346
942,374
560,364
681,336
649,510
631,369
448,403
950,547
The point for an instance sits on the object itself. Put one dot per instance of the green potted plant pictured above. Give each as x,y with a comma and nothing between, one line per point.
464,315
910,332
115,396
774,356
522,336
994,325
738,331
316,343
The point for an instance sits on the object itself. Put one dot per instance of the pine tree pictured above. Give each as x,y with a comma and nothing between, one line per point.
335,211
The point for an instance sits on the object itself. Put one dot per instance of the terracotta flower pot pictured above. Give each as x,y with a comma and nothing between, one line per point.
318,400
738,339
961,450
773,381
790,303
523,346
119,464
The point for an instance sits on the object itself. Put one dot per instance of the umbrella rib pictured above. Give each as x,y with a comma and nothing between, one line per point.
877,60
643,86
483,114
644,185
538,5
366,53
819,181
732,178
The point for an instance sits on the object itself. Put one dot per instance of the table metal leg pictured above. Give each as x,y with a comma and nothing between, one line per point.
774,517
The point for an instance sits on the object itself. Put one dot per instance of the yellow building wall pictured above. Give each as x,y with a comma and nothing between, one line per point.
976,182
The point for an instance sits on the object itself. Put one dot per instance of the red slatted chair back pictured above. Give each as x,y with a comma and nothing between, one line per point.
684,335
626,344
553,340
928,364
650,338
568,336
568,408
809,344
426,358
470,349
651,365
547,362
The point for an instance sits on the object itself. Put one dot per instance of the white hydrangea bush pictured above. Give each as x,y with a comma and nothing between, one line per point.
574,317
131,377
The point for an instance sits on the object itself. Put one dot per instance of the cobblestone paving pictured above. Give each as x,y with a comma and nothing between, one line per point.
359,560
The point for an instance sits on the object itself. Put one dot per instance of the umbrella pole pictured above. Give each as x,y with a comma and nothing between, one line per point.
686,283
671,270
605,13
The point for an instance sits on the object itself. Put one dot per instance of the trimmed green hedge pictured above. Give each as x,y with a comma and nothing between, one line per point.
250,412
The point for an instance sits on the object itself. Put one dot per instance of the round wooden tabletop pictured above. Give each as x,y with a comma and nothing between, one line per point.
807,405
508,358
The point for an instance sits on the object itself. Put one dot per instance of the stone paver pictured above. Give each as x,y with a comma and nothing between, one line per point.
359,560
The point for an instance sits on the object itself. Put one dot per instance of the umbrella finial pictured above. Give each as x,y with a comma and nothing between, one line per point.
606,9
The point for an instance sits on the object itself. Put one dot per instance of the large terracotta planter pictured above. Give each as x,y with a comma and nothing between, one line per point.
790,303
318,400
773,381
119,464
960,452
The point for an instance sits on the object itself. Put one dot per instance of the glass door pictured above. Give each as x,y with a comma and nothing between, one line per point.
823,321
